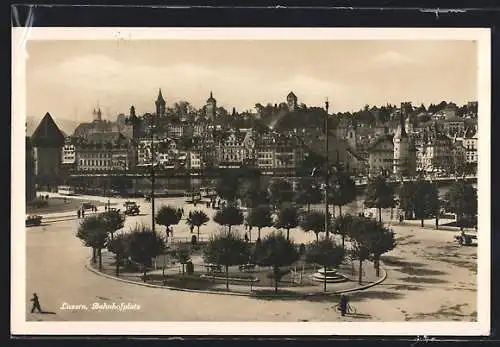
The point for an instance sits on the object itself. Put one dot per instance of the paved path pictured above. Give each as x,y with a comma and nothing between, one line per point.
429,278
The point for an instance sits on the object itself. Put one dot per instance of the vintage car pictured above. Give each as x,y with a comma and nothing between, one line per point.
131,208
33,220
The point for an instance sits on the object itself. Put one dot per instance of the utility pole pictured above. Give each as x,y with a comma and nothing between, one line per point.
326,170
152,125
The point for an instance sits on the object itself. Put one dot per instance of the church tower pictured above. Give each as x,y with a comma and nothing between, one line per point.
211,107
160,105
351,135
401,145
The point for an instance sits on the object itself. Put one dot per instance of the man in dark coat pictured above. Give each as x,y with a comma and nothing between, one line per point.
36,304
343,305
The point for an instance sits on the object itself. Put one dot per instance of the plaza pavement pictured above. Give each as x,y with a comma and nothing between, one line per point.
428,278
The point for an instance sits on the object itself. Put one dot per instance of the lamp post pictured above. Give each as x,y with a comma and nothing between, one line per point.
327,234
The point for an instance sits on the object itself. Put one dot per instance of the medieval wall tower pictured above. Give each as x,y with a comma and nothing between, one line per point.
211,108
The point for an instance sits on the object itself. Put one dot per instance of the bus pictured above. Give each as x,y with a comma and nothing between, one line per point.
65,190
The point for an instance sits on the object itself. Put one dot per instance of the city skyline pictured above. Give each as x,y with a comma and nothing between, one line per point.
118,74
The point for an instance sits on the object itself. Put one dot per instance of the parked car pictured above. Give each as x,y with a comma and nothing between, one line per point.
33,220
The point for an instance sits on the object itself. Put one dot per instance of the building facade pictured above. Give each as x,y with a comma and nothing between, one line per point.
381,156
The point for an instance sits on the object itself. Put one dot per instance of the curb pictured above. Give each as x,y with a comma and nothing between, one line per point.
97,272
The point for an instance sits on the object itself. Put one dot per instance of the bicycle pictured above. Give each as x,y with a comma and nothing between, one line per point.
350,309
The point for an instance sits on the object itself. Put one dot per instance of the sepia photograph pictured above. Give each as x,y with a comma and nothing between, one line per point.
251,181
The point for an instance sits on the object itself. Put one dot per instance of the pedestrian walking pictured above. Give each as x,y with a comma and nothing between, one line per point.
36,304
105,207
78,214
83,213
246,237
343,304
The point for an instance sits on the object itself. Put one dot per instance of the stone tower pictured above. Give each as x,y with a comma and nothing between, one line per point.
351,135
291,101
135,122
47,142
160,105
401,146
211,107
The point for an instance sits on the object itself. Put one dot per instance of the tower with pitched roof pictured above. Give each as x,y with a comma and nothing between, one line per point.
291,101
211,107
160,105
47,141
401,145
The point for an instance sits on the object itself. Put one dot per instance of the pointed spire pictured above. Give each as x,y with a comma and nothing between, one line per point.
160,96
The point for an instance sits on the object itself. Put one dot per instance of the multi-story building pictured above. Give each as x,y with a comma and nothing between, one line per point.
470,144
458,154
69,151
194,161
104,152
165,151
436,154
231,148
47,141
381,156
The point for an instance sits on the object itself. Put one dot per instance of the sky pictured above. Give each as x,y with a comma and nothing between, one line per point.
69,78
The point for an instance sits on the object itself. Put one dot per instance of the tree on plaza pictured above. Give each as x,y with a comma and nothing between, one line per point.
288,218
359,247
406,200
197,219
92,231
307,193
276,251
313,221
226,248
113,221
144,245
379,194
183,255
325,253
229,216
227,187
119,245
280,191
342,190
342,226
425,200
259,217
167,216
461,199
252,194
375,237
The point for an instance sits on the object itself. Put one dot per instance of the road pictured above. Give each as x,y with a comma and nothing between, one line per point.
429,278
